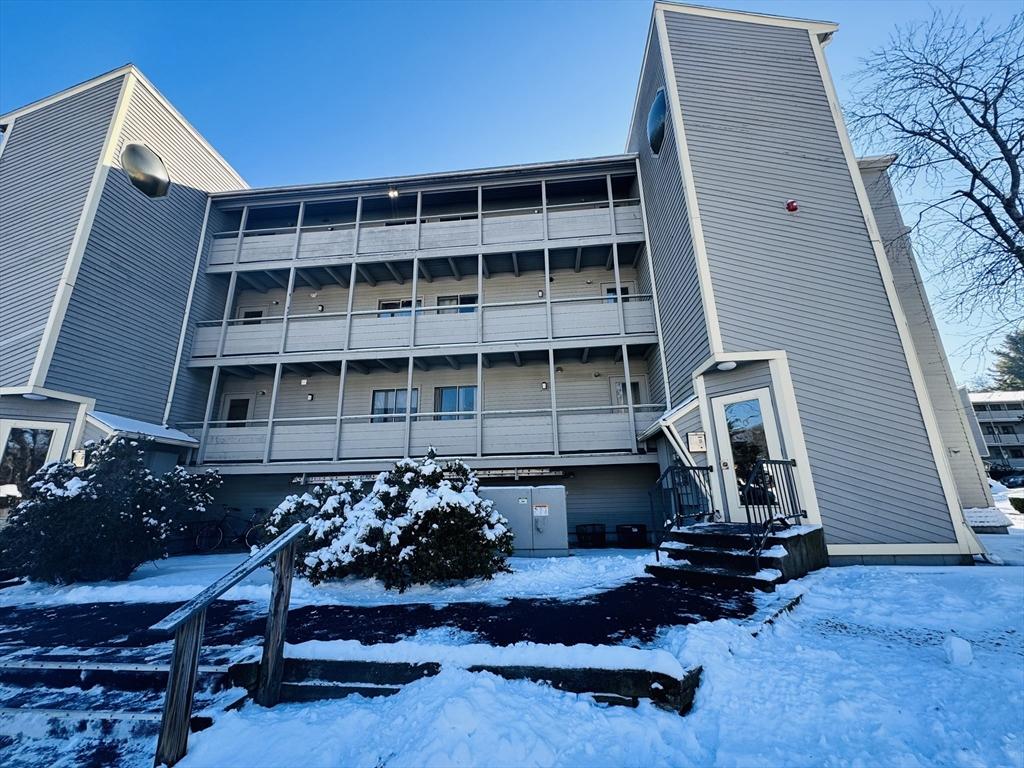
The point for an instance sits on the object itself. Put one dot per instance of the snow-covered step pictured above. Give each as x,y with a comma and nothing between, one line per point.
735,559
315,690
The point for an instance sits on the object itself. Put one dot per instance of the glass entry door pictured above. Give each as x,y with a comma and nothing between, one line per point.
745,431
25,446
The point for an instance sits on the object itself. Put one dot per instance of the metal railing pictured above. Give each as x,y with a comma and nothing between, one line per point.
683,495
771,501
187,624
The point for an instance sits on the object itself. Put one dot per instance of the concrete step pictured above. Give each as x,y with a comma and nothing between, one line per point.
315,690
734,559
710,576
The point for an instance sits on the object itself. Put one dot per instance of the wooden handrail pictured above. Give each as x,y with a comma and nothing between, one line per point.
187,624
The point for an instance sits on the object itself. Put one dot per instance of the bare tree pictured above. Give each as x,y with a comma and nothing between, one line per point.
948,99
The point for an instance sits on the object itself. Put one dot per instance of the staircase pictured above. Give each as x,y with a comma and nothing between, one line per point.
719,555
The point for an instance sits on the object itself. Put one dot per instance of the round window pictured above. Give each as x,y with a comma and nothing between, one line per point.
145,170
656,122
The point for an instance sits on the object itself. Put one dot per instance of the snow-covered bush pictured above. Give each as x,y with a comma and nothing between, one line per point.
100,521
421,522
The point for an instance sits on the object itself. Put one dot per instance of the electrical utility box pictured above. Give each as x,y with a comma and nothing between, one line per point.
537,516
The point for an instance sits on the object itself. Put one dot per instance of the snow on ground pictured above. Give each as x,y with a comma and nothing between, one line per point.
178,579
894,666
1002,496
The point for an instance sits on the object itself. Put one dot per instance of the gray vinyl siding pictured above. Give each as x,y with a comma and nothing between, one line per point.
961,449
51,409
46,170
119,340
668,230
760,131
610,495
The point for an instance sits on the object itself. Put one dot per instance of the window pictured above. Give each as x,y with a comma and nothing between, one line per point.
466,303
452,400
1016,453
391,401
656,122
396,307
609,292
25,446
638,384
250,316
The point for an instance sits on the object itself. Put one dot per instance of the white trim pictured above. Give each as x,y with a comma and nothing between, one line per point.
54,393
62,297
700,254
639,378
225,404
895,549
56,449
968,542
76,434
825,28
128,71
717,494
6,135
172,385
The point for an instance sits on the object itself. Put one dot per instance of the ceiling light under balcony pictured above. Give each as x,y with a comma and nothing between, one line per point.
393,193
728,365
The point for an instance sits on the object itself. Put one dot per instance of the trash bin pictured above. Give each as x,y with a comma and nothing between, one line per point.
631,535
590,535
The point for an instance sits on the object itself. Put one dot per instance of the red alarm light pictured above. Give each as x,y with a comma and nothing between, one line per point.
791,206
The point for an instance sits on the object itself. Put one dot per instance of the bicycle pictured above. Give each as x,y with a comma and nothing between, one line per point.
250,533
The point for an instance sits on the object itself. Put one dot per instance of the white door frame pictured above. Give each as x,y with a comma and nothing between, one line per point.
640,379
60,435
726,465
225,403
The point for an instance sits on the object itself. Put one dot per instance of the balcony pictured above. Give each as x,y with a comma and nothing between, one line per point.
477,218
501,404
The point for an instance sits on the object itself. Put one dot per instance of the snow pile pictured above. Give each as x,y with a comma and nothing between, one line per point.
958,651
986,517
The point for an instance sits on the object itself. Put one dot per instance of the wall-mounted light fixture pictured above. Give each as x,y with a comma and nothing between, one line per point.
319,307
262,393
792,206
275,302
597,374
303,382
558,369
728,365
309,395
393,193
313,295
540,294
543,385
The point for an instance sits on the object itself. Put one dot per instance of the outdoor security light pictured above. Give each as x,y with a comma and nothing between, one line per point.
728,365
393,193
145,170
309,396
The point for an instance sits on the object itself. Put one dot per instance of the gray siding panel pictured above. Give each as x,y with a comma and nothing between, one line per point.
760,131
962,451
120,336
45,173
675,267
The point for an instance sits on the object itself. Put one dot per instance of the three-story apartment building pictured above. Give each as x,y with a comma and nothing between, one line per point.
733,286
1001,421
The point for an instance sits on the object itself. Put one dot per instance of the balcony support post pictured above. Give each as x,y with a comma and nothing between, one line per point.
229,304
618,289
211,400
242,224
348,308
554,397
480,298
479,404
412,307
630,405
419,221
480,215
288,293
359,219
341,409
544,210
270,415
611,206
408,406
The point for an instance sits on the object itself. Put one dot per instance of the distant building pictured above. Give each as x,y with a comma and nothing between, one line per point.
1001,417
734,287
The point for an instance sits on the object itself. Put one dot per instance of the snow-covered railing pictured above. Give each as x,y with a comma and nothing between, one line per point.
187,624
770,499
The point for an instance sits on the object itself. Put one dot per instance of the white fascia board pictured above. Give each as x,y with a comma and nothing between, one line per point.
66,93
822,29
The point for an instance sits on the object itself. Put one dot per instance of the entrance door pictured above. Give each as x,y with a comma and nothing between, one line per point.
746,431
236,410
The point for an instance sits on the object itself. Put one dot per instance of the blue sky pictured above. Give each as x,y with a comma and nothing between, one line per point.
300,92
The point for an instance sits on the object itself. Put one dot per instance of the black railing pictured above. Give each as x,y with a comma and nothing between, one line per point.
682,496
771,501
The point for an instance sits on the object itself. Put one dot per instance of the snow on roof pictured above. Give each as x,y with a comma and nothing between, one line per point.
997,397
116,423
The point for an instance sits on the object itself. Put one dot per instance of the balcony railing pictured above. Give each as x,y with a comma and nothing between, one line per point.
1004,439
589,429
370,329
469,229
